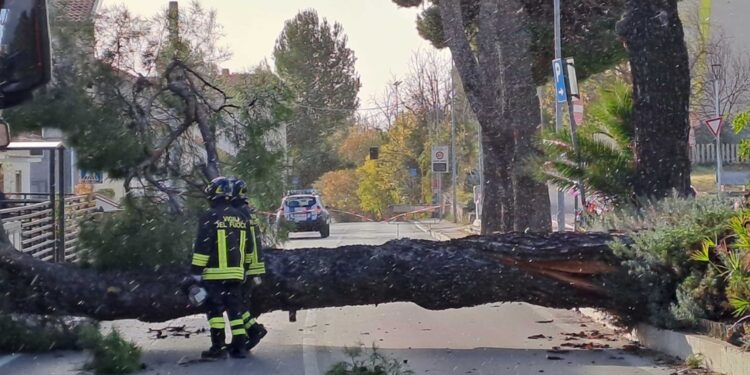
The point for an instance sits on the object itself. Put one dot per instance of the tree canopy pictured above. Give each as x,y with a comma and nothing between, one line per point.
588,32
314,60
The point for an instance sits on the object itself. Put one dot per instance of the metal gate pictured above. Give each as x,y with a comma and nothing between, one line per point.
33,230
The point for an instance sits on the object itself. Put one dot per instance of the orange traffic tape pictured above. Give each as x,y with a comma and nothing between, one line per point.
352,213
427,209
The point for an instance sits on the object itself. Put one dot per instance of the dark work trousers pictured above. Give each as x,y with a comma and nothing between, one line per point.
248,319
225,296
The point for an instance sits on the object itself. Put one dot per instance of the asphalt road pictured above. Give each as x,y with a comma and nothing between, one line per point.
489,339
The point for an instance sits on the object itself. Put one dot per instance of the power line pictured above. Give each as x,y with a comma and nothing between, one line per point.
333,109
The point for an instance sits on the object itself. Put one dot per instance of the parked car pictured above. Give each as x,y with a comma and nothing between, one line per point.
304,212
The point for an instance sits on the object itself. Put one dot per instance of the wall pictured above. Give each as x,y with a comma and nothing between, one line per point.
12,163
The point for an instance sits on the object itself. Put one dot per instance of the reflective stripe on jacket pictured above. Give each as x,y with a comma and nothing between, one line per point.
254,255
219,252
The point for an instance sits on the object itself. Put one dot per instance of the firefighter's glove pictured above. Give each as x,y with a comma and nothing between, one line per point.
197,295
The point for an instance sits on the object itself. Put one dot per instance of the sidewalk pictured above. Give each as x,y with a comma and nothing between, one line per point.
443,230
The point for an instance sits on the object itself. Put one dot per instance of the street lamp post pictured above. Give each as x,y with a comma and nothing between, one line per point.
398,98
559,118
716,71
453,150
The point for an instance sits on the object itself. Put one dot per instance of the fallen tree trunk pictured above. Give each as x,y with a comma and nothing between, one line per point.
561,270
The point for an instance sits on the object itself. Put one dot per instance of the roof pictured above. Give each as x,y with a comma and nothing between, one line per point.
44,145
77,10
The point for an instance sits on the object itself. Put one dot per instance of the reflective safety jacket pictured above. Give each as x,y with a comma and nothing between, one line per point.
254,254
219,252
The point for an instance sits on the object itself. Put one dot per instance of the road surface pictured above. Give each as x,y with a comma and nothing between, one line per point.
489,339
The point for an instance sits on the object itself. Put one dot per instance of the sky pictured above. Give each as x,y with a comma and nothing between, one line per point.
382,35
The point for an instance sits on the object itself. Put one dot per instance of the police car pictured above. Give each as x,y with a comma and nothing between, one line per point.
303,211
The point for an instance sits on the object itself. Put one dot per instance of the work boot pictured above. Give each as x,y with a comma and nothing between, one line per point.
255,334
237,347
214,352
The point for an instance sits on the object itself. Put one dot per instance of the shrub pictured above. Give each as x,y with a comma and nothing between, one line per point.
663,235
36,333
111,354
694,361
142,235
374,363
728,262
605,148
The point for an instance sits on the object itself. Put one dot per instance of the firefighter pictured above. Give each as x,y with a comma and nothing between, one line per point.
218,259
255,267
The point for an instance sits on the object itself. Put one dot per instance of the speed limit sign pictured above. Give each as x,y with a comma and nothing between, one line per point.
440,159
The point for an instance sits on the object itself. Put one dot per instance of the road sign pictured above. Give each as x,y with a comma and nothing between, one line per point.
440,159
440,154
570,66
559,74
714,125
92,177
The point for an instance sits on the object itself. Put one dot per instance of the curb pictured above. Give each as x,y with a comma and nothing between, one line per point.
433,233
717,355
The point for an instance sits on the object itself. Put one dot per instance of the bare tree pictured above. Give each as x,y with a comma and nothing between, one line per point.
712,57
732,70
387,105
427,89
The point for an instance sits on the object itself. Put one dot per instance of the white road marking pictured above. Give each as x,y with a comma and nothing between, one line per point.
4,360
309,348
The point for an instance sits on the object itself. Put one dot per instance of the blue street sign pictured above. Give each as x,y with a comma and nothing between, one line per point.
559,73
93,177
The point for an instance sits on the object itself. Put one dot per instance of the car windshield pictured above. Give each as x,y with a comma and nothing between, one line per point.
304,202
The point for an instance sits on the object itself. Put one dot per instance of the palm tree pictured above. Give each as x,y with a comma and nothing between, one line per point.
605,143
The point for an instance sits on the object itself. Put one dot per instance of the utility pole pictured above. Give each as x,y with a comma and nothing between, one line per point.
453,149
559,117
436,135
479,208
571,84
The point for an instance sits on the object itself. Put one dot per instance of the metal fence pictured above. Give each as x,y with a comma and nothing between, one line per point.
37,229
706,153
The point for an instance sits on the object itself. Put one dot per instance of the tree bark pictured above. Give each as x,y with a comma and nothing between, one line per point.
654,37
498,80
561,270
497,192
521,111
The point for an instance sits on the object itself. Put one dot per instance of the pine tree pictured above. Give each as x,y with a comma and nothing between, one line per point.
313,59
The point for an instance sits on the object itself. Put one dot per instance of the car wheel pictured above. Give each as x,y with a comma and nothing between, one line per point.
325,231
